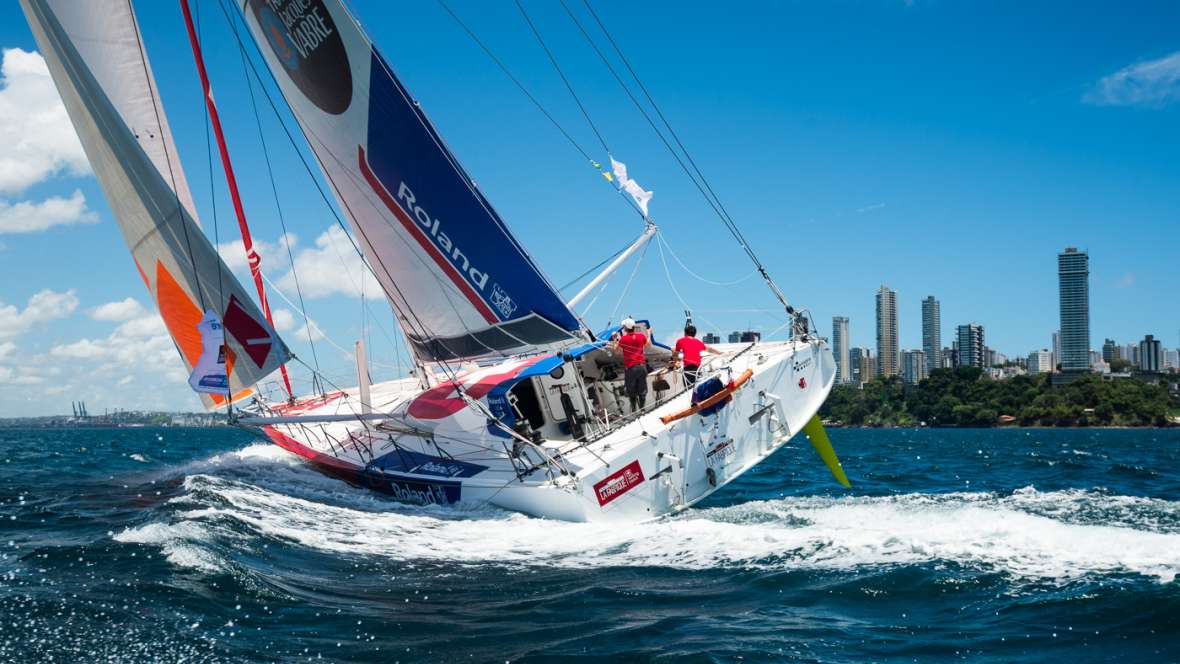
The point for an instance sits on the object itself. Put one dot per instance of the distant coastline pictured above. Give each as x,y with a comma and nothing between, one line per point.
118,420
964,397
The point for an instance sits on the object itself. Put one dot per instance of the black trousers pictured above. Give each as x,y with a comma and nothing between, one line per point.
635,383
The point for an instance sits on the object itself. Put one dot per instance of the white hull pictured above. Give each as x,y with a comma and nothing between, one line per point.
640,470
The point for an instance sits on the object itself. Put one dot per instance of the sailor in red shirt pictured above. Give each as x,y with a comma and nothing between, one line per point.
690,348
632,344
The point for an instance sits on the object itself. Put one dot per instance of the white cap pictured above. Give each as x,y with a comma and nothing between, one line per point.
628,323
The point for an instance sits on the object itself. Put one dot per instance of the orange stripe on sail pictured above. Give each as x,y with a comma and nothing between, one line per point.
181,315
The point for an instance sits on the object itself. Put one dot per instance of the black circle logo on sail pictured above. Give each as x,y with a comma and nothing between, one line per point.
305,39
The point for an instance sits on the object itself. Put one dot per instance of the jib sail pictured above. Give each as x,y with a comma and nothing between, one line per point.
94,53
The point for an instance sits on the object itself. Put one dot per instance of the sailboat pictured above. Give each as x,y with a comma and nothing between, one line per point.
515,401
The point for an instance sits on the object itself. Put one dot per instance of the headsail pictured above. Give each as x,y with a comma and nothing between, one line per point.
95,55
461,284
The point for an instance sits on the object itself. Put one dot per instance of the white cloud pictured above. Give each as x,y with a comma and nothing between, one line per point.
119,310
37,140
332,267
1150,84
6,349
43,306
139,343
284,320
870,208
30,217
301,333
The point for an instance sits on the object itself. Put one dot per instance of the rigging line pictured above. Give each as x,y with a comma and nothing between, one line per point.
672,285
504,68
550,460
557,68
275,191
540,107
167,156
711,197
630,280
593,269
699,277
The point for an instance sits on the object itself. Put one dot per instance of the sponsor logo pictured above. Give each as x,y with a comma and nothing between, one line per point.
720,454
438,468
619,482
800,365
435,229
422,494
304,38
502,302
802,383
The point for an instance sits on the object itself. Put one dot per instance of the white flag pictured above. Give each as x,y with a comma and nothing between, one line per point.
638,194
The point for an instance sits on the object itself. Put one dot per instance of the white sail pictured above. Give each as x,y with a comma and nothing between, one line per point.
95,56
461,284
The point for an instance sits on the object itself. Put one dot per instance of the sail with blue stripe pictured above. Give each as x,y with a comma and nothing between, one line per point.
460,283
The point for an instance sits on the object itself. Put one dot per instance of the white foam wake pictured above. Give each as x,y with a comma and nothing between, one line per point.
1028,534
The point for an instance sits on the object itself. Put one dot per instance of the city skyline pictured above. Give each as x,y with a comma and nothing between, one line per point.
970,348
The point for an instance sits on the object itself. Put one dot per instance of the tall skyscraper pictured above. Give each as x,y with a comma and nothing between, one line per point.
971,348
840,349
1073,281
1056,349
913,366
1149,354
887,351
932,332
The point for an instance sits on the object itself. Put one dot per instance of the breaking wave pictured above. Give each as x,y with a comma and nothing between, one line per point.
262,492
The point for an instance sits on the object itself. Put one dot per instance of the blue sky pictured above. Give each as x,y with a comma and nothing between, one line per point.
940,148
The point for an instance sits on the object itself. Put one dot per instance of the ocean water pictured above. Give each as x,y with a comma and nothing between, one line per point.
141,545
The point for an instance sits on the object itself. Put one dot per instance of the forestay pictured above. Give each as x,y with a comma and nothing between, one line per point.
95,55
461,284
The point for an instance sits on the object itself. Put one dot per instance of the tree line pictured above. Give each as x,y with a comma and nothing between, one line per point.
963,397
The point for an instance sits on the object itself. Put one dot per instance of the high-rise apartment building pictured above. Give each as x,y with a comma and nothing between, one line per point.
1056,349
913,366
864,365
932,333
1040,361
1073,281
971,348
1149,354
840,349
887,349
711,338
1111,351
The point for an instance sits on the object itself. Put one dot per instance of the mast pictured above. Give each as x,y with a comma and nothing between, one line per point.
253,259
648,233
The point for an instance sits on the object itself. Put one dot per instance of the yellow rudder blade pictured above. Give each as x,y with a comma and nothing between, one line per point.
819,440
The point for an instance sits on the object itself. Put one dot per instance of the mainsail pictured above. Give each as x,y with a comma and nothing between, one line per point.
94,52
461,284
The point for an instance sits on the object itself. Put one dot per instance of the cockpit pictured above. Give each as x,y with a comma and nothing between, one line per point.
580,395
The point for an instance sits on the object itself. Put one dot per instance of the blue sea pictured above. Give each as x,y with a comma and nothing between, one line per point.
143,545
